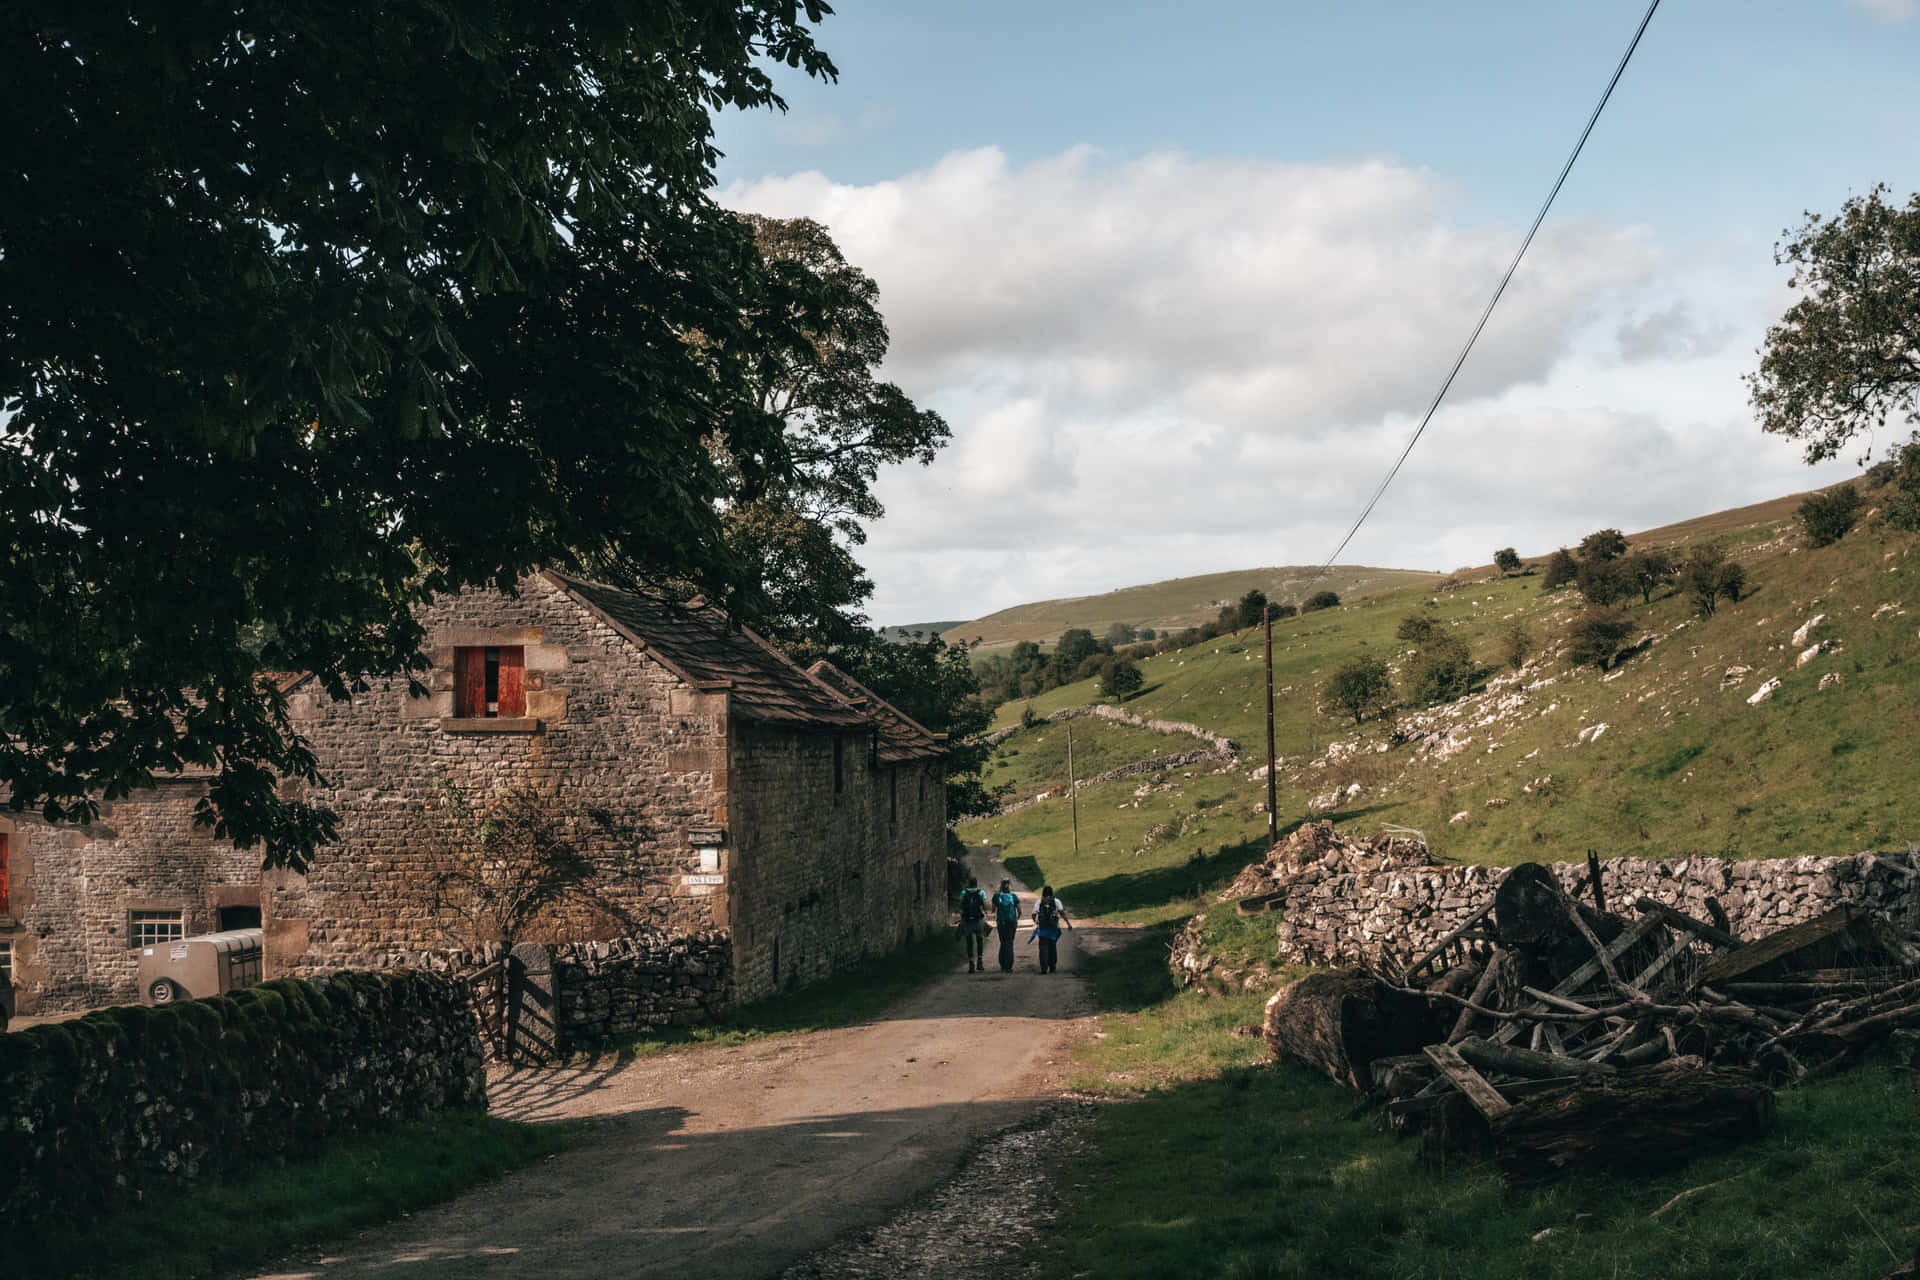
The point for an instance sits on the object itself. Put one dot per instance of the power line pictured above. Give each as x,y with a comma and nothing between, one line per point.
1492,302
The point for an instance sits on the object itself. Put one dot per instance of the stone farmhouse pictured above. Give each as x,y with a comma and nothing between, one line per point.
789,818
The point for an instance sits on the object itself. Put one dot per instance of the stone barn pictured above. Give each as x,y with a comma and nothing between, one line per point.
728,815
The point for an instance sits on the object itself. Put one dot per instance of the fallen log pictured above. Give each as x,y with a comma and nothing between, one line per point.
1516,1061
1339,1022
1646,1117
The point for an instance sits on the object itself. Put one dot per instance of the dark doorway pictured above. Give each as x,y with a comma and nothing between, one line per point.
239,918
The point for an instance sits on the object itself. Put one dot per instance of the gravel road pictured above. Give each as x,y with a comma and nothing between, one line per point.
737,1162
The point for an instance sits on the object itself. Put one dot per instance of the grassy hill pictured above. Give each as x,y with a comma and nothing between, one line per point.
1173,604
1684,765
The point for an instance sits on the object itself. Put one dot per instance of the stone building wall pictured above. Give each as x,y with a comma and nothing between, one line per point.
607,728
1336,916
822,876
74,890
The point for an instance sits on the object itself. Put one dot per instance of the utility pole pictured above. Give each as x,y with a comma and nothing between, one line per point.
1273,792
1073,790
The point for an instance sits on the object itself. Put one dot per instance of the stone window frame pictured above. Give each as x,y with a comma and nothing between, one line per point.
135,939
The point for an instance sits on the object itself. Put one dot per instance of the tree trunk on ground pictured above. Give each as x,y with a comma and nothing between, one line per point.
1640,1118
1339,1022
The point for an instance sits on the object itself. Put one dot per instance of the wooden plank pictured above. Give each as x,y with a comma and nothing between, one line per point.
1777,945
1488,976
1682,921
1553,1001
1439,947
1484,1097
1667,957
1585,973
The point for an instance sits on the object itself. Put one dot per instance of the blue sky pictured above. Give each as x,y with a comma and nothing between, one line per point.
1180,280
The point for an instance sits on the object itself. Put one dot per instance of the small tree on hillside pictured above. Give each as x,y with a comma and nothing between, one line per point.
1603,544
1418,628
1360,687
1516,645
1120,633
1709,577
1076,646
1119,678
1596,636
1828,516
1649,570
1562,568
1253,607
1279,611
1320,600
1900,500
1605,582
1441,672
1507,560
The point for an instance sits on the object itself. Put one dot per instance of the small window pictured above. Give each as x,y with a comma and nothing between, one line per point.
489,681
151,928
239,918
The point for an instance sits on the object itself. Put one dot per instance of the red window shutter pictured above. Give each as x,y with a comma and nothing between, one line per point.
6,899
470,681
513,680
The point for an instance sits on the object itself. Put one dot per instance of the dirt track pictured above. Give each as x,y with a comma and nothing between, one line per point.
735,1162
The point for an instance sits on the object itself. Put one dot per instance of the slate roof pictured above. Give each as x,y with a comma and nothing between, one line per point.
901,736
701,646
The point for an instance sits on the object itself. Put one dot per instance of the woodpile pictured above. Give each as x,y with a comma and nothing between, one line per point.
1558,1034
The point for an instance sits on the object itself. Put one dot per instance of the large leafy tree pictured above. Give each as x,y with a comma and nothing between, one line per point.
1845,359
310,311
841,424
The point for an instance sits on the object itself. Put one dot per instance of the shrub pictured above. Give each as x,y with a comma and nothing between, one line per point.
1418,628
1708,576
1252,608
1596,637
1506,560
1360,687
1648,570
1603,544
1441,671
1280,611
1562,568
1605,582
1028,716
1901,507
1119,678
1826,517
1320,600
1516,645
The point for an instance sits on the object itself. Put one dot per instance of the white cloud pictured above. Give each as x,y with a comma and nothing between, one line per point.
1886,10
1171,365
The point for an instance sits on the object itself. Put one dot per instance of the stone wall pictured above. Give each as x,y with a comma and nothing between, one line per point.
74,890
608,989
1336,915
128,1103
825,873
1103,711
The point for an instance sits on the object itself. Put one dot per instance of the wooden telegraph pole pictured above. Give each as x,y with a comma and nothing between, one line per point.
1273,791
1073,790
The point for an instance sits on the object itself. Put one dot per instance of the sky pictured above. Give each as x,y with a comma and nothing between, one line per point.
1183,280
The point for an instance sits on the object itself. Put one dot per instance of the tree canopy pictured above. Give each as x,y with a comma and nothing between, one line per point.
1360,687
1845,359
1507,560
312,312
1320,600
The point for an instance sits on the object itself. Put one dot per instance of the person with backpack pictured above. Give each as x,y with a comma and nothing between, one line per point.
1006,917
973,924
1048,916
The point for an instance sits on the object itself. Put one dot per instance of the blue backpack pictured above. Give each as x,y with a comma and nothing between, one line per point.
1006,908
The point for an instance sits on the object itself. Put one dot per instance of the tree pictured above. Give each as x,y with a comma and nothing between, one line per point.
1845,358
1507,560
1516,645
1596,637
1119,678
1826,517
1603,544
1253,607
1418,628
1145,633
1360,687
309,314
1900,502
934,682
1076,646
839,424
1605,582
1708,576
1562,568
1120,633
1279,611
1320,600
1649,570
1441,671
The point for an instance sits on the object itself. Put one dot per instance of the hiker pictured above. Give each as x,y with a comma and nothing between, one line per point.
1006,917
973,924
1048,915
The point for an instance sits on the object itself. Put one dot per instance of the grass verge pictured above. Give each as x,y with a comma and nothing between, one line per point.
850,996
260,1216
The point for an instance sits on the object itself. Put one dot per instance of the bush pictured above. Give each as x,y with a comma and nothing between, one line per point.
1360,687
1252,608
1605,582
1828,516
1603,544
1119,678
1441,671
1562,568
1029,717
1709,576
1649,570
1320,600
1516,645
1900,506
1596,637
1280,611
1507,560
1418,628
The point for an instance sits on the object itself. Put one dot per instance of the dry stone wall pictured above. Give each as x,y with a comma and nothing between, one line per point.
1335,915
607,989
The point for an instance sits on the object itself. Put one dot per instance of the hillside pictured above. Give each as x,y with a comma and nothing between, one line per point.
1521,769
1173,604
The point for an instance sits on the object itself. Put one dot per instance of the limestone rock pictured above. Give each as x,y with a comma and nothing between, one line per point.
1764,692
